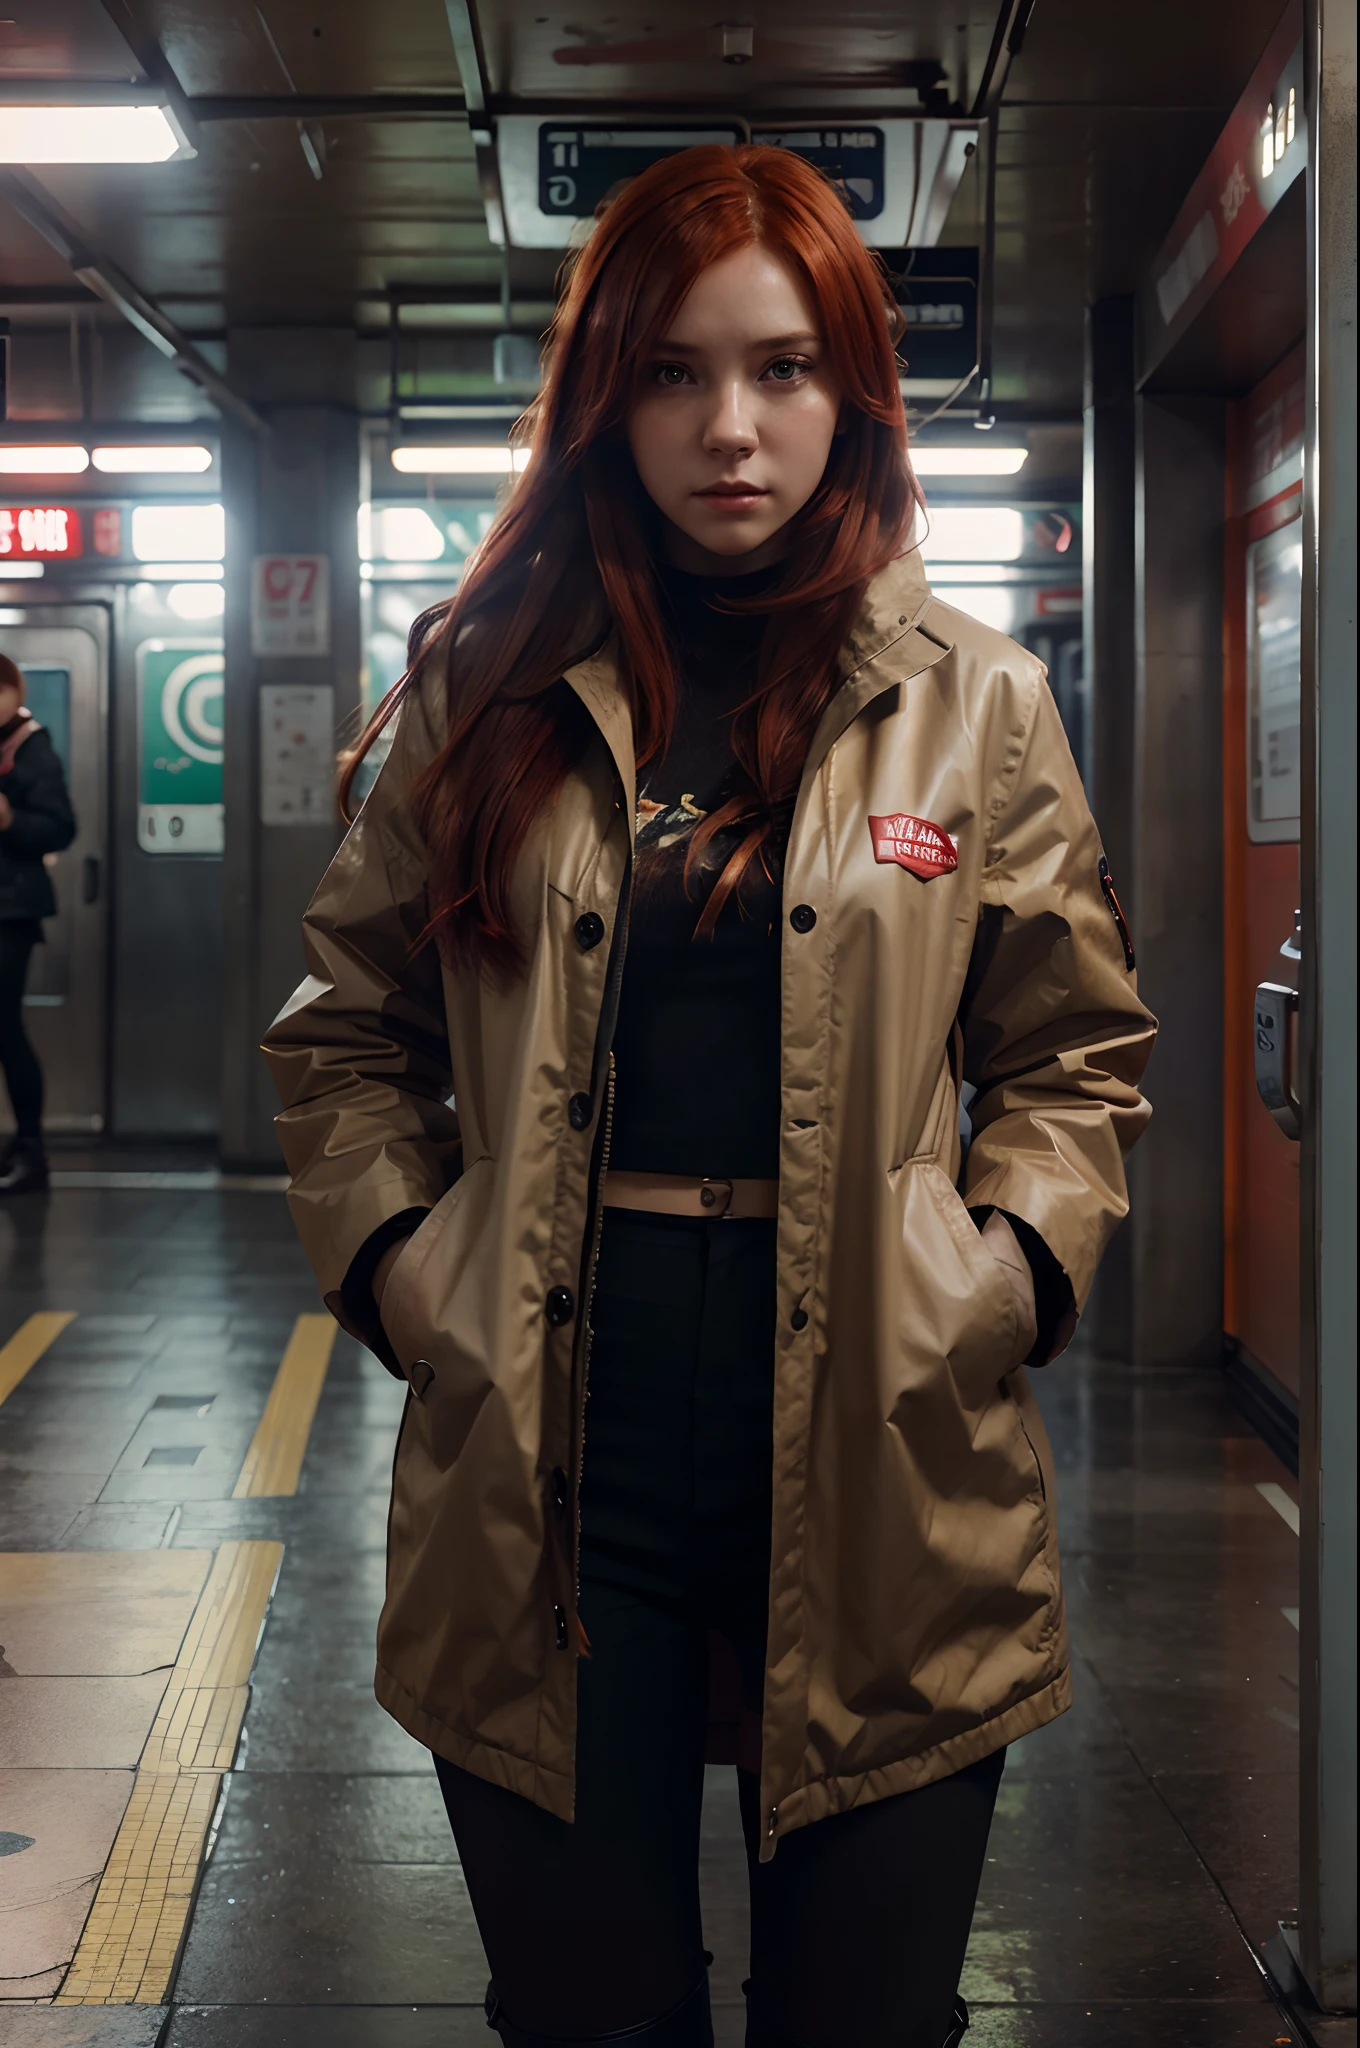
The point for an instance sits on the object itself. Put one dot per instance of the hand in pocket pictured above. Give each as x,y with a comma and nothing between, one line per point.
1004,1246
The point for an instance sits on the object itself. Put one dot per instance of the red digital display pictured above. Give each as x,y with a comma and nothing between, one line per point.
107,530
40,532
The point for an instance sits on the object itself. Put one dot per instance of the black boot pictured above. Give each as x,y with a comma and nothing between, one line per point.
687,2025
25,1168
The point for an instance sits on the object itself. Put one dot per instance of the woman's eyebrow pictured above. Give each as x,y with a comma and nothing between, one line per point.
773,341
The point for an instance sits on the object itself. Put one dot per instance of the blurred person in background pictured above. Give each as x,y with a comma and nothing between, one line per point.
35,819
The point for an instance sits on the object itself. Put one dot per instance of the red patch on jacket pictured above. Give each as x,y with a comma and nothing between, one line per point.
914,843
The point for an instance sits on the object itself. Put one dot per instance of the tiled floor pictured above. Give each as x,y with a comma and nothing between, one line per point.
1142,1844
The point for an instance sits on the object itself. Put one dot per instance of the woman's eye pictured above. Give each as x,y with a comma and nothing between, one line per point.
784,369
670,375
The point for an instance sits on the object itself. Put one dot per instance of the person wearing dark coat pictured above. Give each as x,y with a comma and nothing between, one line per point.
35,819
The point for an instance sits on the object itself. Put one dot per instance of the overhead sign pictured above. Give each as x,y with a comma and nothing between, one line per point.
578,165
179,746
937,290
290,605
1260,153
898,175
854,157
35,532
297,754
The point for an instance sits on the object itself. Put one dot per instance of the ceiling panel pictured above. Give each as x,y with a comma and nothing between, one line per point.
1109,114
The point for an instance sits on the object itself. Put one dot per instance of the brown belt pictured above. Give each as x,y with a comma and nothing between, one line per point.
680,1194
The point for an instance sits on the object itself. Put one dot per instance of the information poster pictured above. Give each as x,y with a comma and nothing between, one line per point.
179,746
297,754
290,605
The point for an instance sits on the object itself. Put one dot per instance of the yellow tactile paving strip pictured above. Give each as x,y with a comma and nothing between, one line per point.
128,1951
274,1461
28,1344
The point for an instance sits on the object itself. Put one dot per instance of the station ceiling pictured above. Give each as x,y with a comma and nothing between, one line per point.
335,162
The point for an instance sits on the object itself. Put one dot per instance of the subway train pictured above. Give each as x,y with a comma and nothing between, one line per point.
274,286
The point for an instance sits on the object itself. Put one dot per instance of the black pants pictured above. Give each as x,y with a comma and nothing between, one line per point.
859,1923
18,1061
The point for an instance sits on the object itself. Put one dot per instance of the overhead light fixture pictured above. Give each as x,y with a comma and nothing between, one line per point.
152,461
9,570
972,533
196,600
19,459
983,460
406,533
179,533
445,461
146,134
181,572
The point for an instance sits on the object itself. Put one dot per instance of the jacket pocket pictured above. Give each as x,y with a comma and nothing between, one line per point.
415,1286
964,1302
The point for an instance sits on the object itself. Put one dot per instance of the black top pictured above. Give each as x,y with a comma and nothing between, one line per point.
43,822
696,1047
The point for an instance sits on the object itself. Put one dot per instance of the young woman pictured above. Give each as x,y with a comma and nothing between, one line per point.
711,856
35,819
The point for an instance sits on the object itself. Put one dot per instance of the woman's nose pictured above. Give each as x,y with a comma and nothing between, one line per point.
730,428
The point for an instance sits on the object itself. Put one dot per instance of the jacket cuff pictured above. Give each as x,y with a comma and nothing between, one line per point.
1055,1305
356,1309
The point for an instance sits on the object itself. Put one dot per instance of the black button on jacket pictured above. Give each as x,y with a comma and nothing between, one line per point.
43,822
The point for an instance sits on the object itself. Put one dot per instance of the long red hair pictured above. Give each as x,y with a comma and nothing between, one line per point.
569,559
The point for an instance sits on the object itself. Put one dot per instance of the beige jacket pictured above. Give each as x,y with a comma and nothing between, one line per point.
916,1616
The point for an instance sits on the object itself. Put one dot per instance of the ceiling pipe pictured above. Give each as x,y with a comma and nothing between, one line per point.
466,36
36,205
154,62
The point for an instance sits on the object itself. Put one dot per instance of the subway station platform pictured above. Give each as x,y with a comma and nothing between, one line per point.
212,1837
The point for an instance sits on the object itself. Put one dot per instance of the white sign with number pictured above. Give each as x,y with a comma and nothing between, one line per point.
297,754
290,605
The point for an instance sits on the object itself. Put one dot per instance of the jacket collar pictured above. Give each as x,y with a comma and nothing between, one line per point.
888,643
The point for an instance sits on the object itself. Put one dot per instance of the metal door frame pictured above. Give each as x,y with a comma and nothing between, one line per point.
1327,1034
90,979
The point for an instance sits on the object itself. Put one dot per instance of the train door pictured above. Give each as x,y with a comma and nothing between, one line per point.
63,652
1263,586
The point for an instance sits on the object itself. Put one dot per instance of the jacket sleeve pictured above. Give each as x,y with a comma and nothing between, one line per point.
44,822
1055,1038
360,1053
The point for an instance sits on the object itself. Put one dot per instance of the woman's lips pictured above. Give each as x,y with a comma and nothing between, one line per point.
735,496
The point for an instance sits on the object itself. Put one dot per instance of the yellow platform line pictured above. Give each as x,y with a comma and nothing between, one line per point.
274,1460
131,1942
28,1344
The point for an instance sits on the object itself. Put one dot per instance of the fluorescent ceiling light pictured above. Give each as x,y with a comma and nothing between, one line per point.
18,460
89,135
972,533
182,572
153,461
196,600
993,606
178,533
10,569
980,461
456,461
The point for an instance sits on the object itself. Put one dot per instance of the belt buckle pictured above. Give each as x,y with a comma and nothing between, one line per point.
715,1196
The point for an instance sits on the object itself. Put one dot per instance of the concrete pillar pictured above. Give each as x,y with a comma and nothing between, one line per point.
1177,879
292,683
1108,596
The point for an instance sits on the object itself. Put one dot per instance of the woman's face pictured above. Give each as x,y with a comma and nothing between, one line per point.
10,700
736,416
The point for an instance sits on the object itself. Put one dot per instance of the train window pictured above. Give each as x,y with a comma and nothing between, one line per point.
48,691
1274,601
